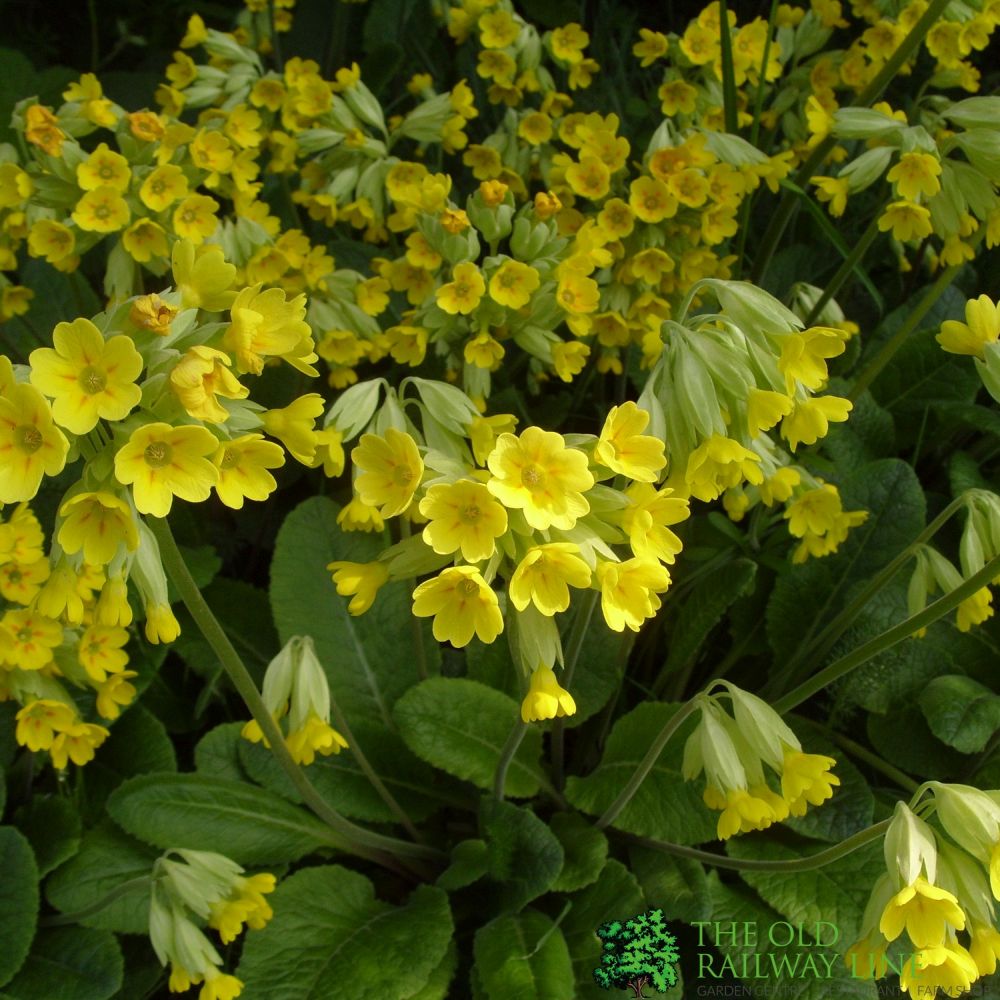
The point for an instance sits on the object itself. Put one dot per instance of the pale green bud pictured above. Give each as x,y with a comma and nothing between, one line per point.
354,408
989,370
761,726
751,307
969,816
365,105
865,123
537,638
863,171
975,112
967,882
425,122
449,406
910,847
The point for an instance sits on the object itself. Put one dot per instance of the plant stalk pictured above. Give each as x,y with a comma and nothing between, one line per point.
850,262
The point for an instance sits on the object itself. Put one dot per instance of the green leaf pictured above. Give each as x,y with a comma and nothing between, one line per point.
734,907
70,963
599,666
903,738
678,886
665,806
52,826
814,591
361,655
523,957
107,858
961,712
585,849
836,893
217,754
461,726
18,901
469,862
340,780
441,977
708,601
523,854
615,895
248,824
330,936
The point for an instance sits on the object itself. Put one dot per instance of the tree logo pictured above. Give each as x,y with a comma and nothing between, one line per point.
638,953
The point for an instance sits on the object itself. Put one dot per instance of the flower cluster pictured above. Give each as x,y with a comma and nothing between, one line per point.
942,881
193,888
733,748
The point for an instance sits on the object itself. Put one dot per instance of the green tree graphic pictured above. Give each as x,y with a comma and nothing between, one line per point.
638,953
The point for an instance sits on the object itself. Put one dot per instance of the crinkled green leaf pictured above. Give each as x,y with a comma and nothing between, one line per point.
585,849
523,957
18,900
961,712
70,963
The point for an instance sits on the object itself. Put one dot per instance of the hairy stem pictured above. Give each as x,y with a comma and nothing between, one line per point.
350,836
132,885
506,756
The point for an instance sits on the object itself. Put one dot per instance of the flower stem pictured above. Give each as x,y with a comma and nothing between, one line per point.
873,760
850,262
889,638
808,863
517,734
132,885
646,764
353,838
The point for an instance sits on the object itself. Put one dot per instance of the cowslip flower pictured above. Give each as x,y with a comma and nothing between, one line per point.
160,462
546,698
545,574
628,591
647,520
98,523
265,324
243,466
462,604
916,174
462,515
200,377
981,328
87,377
464,292
359,581
293,426
625,448
203,278
513,284
811,418
391,470
102,210
907,220
537,473
104,168
718,464
165,185
100,651
31,446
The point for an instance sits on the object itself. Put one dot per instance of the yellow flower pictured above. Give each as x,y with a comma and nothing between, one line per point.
144,240
161,625
21,538
811,419
16,186
483,351
194,218
292,425
30,443
98,524
677,96
925,911
577,293
497,30
150,312
359,581
647,518
568,42
625,448
21,582
462,604
569,358
462,515
948,967
51,240
114,693
243,465
914,175
628,591
981,327
764,409
590,178
538,474
391,470
203,278
513,283
42,130
974,610
833,190
200,377
544,576
652,45
30,638
160,462
803,356
985,948
100,651
89,378
720,463
102,210
104,168
40,720
907,220
652,200
806,780
266,324
77,743
464,292
546,699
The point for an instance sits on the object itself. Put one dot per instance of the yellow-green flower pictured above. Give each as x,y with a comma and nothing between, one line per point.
981,327
628,591
265,324
513,283
359,581
31,446
243,465
89,378
200,377
806,780
203,278
391,470
546,698
916,174
947,966
98,524
102,210
462,604
925,911
720,463
160,462
104,168
647,521
625,448
462,515
907,220
463,293
811,419
544,576
536,472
